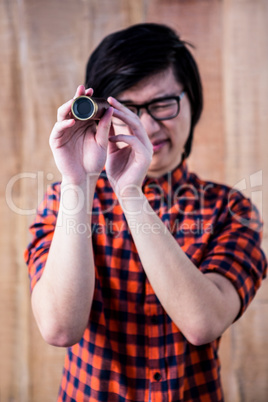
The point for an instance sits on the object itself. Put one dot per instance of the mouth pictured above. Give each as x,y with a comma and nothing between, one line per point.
158,145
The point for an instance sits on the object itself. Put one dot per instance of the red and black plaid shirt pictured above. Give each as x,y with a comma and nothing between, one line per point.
131,344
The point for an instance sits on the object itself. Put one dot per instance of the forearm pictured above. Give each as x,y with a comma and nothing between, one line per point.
62,297
195,302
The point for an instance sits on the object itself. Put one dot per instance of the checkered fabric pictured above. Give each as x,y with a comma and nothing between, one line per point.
130,341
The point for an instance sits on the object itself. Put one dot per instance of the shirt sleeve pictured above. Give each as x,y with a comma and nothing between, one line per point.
234,250
42,231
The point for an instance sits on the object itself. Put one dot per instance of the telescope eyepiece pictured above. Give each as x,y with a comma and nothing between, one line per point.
86,108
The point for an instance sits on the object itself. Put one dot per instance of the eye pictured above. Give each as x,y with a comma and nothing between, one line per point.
163,105
163,108
132,108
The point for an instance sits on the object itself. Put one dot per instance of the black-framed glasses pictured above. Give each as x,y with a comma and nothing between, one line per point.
165,108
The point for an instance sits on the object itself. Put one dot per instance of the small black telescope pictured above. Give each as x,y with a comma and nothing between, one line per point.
86,108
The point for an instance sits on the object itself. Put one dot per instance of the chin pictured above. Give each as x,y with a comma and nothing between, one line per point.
157,170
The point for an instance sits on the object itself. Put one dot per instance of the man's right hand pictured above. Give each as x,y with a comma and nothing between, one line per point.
79,147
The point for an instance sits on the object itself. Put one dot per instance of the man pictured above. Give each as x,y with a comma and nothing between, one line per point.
139,268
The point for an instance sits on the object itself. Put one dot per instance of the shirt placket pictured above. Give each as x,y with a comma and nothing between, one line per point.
154,313
156,346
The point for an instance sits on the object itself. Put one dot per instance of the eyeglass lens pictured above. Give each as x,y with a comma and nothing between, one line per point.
159,110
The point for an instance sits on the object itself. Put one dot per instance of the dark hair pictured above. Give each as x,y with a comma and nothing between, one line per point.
126,57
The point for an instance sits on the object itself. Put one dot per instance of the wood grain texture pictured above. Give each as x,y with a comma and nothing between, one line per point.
43,50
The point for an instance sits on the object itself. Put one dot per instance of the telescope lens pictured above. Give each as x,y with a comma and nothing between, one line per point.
83,108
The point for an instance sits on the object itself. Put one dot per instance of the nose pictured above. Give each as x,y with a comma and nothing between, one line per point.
149,123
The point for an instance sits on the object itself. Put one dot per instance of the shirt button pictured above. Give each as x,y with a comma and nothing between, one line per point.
157,376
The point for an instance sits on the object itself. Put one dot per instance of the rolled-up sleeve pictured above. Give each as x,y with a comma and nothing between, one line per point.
235,248
42,231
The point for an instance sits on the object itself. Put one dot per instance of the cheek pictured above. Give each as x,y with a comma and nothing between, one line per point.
180,132
183,127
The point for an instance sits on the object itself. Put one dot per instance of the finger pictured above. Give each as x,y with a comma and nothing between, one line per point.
132,141
82,91
89,92
64,111
112,145
79,91
60,127
104,128
131,119
121,109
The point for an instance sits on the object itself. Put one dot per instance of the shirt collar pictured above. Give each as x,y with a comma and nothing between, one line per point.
169,182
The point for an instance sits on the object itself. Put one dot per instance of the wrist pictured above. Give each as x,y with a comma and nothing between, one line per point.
132,201
84,184
77,199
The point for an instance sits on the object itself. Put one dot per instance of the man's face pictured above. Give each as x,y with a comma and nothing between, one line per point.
167,136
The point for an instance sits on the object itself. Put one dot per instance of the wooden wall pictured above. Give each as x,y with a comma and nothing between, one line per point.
44,45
